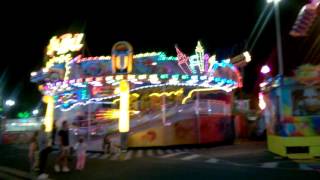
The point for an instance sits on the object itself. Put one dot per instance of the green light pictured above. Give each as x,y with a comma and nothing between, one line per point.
175,76
185,76
164,76
23,115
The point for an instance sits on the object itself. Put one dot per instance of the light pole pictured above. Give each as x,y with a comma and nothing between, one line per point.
279,52
278,34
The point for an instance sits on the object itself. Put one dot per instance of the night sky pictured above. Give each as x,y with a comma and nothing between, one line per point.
223,28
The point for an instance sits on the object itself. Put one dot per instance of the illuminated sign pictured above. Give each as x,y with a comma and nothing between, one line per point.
64,44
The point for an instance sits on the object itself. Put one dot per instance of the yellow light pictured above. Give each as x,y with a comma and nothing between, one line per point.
180,91
143,76
58,59
145,55
48,119
119,77
131,76
201,90
65,43
113,114
115,101
124,106
116,90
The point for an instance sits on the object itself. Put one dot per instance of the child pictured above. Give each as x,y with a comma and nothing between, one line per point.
80,149
34,152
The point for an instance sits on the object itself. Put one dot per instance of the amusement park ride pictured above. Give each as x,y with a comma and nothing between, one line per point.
147,99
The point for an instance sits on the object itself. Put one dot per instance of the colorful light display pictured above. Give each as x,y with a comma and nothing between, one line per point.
124,77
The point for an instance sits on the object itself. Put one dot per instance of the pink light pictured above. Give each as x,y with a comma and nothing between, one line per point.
265,69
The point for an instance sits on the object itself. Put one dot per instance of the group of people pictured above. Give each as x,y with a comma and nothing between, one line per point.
41,146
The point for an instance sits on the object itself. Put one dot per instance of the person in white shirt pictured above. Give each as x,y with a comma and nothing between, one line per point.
81,149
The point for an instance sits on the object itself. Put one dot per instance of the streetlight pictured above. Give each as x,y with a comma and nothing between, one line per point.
10,102
265,69
279,53
278,33
35,112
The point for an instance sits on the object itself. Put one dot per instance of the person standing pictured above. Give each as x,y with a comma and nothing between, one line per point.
53,133
62,160
44,146
33,152
106,144
81,149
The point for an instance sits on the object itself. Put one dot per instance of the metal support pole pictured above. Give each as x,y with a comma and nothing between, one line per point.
197,108
280,56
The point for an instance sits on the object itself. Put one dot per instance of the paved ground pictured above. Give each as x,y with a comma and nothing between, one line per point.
244,160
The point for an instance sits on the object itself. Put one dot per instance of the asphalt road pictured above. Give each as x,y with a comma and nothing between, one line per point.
157,164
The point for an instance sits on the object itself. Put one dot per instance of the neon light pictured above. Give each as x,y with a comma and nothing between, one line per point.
95,100
206,62
182,60
115,101
136,95
124,106
148,54
200,53
65,43
201,90
67,67
162,57
212,61
48,119
113,114
180,91
193,62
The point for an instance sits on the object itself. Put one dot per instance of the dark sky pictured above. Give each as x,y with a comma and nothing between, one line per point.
222,26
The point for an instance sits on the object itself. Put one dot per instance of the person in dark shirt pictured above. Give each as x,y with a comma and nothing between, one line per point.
54,132
62,160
